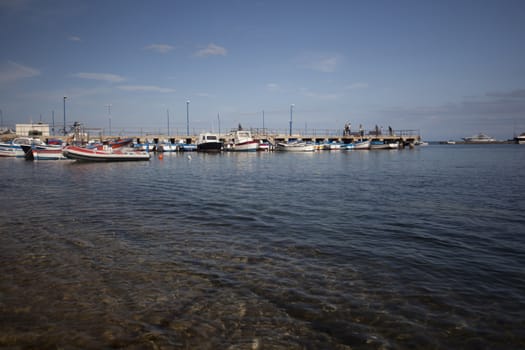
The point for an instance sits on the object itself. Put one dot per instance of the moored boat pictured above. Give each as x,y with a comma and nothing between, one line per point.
209,142
14,147
379,144
241,141
107,154
295,146
362,145
521,139
348,146
264,145
50,152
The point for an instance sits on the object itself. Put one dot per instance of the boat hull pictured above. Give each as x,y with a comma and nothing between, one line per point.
362,145
209,147
299,147
249,146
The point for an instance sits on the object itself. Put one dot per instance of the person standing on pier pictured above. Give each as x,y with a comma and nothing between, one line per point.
361,131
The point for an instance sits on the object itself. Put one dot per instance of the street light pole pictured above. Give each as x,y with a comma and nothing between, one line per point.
65,98
109,117
188,117
168,116
291,115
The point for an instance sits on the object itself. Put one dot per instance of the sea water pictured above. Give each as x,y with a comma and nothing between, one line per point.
419,248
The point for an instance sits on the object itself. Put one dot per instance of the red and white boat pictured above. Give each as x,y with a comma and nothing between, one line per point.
242,141
107,154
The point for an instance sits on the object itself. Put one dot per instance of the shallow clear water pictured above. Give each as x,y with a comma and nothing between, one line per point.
420,248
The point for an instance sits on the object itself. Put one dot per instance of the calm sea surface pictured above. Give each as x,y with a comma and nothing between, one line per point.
417,249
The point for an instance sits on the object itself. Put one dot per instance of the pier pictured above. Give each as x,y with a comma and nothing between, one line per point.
405,137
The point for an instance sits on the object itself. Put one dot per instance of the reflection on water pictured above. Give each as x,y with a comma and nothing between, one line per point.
361,250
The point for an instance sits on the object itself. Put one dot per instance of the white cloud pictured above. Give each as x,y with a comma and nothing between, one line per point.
112,78
13,71
148,88
160,48
211,50
73,38
326,63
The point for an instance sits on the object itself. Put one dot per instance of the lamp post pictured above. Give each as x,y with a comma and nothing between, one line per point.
168,117
291,117
219,123
109,117
65,98
263,130
188,117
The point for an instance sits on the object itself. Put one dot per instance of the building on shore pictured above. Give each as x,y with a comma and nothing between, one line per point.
33,129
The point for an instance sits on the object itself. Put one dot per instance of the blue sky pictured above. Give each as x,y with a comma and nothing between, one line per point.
448,68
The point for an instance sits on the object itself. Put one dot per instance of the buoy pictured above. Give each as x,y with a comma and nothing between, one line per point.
189,157
161,156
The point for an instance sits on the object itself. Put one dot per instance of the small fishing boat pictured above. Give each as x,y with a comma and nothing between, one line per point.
348,146
209,142
332,145
167,146
295,146
362,145
378,144
264,145
107,154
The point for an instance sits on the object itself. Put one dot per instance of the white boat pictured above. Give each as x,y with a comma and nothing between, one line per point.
209,142
295,146
362,145
481,137
332,146
521,139
167,146
107,154
242,141
14,147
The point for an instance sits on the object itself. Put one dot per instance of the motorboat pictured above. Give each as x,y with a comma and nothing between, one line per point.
107,154
295,146
241,141
13,148
209,142
521,139
50,152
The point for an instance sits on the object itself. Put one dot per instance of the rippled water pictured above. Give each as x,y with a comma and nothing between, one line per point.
419,248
